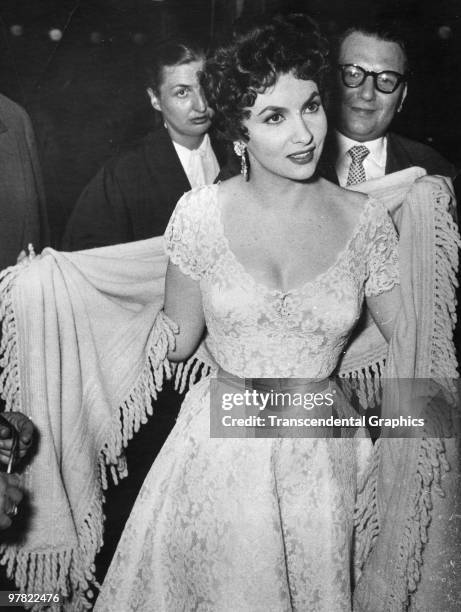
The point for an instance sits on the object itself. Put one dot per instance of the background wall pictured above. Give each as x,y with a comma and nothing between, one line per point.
77,67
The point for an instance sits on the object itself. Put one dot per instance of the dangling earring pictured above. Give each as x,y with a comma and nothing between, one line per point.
240,149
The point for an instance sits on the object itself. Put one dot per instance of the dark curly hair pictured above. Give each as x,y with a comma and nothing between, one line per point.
252,62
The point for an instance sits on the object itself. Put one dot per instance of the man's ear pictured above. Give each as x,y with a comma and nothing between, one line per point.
154,99
402,99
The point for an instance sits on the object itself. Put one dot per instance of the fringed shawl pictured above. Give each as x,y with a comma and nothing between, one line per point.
83,351
82,357
396,518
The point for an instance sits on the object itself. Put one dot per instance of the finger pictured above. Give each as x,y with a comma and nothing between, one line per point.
5,432
22,255
23,450
12,480
5,520
430,179
440,182
436,179
15,495
23,425
26,433
6,444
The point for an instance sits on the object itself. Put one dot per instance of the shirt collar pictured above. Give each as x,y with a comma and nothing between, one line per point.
377,147
202,149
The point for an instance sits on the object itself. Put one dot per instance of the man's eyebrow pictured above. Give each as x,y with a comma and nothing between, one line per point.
279,109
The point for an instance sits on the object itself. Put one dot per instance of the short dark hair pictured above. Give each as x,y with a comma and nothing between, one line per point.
253,61
173,53
387,30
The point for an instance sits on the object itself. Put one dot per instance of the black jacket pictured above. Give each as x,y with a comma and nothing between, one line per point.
22,200
133,196
401,153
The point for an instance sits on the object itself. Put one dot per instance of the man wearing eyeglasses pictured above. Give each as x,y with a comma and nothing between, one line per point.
372,73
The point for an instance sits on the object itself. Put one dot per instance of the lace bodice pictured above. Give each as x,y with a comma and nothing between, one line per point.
254,331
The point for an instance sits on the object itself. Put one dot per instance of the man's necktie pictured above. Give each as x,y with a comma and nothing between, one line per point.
356,170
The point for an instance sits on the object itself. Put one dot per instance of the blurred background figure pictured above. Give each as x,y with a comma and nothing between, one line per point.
22,200
133,195
132,198
77,67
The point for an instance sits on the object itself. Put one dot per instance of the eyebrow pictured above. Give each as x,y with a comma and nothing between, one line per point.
313,95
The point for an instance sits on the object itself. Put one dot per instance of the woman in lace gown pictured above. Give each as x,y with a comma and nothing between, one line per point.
275,264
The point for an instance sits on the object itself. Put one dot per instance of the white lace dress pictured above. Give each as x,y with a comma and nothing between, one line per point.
248,525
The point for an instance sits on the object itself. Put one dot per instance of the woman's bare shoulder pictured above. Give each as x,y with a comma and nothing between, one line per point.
231,187
350,203
231,192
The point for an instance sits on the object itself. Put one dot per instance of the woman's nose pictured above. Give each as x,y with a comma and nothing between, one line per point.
302,132
200,103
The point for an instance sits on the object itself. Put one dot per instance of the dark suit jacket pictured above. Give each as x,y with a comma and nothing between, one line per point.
132,196
401,153
22,200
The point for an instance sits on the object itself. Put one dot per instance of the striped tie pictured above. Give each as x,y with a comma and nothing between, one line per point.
356,170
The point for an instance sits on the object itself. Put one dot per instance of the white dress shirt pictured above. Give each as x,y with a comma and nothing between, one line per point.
200,165
374,163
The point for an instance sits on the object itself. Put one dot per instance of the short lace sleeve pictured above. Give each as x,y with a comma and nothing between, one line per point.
187,233
381,248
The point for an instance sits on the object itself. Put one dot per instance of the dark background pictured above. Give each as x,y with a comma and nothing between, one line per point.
85,92
86,96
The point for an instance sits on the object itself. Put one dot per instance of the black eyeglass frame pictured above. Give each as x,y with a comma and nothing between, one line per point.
401,78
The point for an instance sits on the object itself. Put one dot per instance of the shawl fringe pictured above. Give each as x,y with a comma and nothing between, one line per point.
446,243
133,412
365,384
61,572
366,521
427,480
189,372
70,572
9,361
431,459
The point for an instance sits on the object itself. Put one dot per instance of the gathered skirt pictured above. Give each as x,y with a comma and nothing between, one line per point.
239,525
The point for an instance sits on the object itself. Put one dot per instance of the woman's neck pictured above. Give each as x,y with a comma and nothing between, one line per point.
272,190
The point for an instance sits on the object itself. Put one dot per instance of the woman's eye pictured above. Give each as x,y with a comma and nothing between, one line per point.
275,118
312,107
181,93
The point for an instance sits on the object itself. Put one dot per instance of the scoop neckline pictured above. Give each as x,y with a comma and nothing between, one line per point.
309,283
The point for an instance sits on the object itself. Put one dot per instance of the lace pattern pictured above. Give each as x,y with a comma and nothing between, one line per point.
238,525
256,331
253,525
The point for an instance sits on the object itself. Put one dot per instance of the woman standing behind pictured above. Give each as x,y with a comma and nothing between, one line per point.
133,195
132,198
276,264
